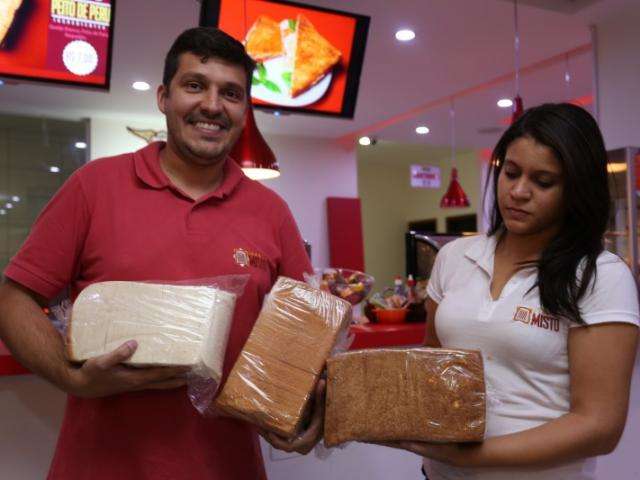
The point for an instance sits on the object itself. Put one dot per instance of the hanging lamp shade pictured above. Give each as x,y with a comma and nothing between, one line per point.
518,109
253,154
455,196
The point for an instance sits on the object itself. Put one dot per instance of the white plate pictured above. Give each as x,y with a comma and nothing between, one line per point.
275,68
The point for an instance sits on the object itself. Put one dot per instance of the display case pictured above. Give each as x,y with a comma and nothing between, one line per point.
621,237
421,249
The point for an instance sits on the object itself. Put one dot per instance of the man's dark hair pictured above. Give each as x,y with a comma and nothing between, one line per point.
207,42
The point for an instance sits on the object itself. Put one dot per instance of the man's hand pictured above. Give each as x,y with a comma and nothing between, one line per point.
304,442
106,375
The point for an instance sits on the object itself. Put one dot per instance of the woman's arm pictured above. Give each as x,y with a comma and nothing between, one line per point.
430,335
601,359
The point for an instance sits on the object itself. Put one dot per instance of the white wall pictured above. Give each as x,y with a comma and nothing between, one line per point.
312,170
110,136
619,80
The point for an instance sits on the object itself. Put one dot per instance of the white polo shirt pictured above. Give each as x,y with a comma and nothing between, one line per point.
524,351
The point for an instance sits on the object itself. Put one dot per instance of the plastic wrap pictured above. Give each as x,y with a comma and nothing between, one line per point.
273,379
180,324
417,394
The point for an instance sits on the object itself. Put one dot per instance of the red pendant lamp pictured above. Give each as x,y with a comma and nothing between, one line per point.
455,196
252,152
518,108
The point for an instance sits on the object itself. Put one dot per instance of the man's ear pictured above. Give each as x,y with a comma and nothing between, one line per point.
162,93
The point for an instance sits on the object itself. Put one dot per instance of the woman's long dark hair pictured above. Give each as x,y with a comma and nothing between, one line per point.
575,139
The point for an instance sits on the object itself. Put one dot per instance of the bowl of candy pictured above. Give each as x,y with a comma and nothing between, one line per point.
390,306
391,315
350,285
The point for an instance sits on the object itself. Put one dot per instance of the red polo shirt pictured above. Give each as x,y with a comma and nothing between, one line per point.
121,218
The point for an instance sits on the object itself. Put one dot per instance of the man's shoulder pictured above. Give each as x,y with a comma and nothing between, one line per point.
263,195
106,166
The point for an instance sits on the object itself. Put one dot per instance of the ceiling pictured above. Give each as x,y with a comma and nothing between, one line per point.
461,46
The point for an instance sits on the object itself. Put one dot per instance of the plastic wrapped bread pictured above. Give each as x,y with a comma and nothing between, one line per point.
174,325
273,379
417,394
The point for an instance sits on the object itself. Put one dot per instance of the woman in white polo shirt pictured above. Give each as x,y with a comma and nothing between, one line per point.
554,314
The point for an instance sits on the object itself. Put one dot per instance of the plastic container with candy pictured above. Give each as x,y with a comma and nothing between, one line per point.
350,285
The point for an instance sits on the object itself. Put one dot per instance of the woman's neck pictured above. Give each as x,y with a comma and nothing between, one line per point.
523,248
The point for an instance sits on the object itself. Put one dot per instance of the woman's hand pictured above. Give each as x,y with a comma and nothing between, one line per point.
457,454
306,440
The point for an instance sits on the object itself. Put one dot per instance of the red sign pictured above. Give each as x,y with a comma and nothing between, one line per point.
63,41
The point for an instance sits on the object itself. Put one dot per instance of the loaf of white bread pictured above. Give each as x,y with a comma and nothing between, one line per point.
174,325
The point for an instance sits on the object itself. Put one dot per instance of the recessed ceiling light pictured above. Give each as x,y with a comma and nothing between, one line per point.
8,205
405,35
422,130
142,86
1,82
505,103
15,198
364,141
54,169
81,145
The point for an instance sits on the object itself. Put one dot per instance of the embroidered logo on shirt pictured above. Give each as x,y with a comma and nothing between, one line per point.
530,317
246,258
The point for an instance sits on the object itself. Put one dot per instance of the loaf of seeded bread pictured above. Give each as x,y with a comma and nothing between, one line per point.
273,379
414,394
174,325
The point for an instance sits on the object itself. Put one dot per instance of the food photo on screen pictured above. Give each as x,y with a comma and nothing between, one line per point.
309,58
295,61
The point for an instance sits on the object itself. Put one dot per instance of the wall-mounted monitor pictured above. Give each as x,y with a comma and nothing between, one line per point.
309,58
60,41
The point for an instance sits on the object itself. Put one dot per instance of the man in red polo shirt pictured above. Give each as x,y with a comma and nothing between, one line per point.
175,211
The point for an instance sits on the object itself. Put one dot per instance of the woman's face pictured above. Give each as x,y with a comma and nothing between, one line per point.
530,189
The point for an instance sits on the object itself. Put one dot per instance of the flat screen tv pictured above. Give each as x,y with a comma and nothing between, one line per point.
61,41
309,58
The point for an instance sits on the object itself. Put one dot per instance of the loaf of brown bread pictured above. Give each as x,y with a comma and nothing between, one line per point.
414,394
274,377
